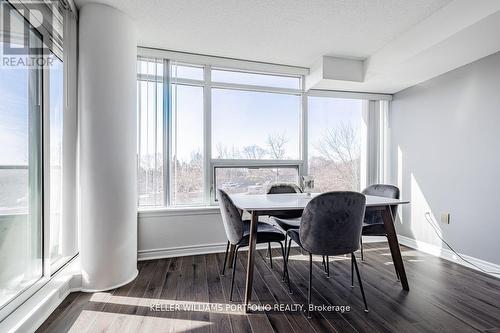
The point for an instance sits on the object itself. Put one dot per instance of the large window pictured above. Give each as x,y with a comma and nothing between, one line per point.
236,130
20,170
335,136
37,204
203,128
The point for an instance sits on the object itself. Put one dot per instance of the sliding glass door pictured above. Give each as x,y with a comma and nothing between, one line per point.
21,262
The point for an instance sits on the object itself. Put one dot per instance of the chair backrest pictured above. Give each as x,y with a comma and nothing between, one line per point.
231,217
331,223
281,188
382,190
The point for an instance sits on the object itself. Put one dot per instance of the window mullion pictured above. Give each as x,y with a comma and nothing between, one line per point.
304,136
167,131
207,135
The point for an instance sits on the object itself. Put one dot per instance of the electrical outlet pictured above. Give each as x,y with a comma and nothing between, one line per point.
445,218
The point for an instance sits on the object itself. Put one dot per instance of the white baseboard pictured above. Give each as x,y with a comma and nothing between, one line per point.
450,256
192,250
180,251
34,311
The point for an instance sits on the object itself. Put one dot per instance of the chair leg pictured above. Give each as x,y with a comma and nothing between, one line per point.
310,287
328,267
287,277
268,250
234,271
352,272
225,259
284,261
361,247
324,264
289,248
270,254
286,238
359,281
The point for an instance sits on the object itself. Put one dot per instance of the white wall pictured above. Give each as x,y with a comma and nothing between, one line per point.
177,232
445,156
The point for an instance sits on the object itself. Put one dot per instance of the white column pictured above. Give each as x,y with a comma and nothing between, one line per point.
108,144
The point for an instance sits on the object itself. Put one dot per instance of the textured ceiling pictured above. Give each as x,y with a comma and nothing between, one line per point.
290,32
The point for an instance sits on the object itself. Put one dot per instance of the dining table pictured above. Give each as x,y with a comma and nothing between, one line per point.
267,204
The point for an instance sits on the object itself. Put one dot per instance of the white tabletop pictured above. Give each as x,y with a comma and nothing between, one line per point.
267,202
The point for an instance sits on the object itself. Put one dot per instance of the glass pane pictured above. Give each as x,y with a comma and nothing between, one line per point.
255,125
187,145
150,140
56,155
187,72
336,127
153,67
20,170
253,180
254,79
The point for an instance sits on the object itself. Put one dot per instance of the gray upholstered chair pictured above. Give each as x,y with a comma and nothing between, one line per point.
238,232
330,225
287,219
373,224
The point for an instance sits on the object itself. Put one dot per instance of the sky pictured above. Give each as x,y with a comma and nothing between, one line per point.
14,98
242,118
13,116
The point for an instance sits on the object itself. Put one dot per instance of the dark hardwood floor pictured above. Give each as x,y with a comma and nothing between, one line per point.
443,297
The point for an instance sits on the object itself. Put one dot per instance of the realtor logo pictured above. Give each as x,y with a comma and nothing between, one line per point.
19,46
17,32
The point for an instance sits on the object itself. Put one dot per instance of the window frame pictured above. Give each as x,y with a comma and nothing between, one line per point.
245,163
249,163
40,75
217,63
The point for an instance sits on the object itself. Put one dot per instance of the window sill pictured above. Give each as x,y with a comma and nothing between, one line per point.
177,211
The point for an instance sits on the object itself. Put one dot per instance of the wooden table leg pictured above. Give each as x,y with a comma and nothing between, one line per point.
251,259
394,246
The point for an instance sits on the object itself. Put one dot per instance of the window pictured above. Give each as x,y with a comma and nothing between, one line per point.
203,128
38,222
187,145
336,130
20,170
186,72
255,131
255,79
255,125
253,180
150,122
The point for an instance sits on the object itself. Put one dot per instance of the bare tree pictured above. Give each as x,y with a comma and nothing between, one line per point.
340,145
225,152
222,151
276,143
254,152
